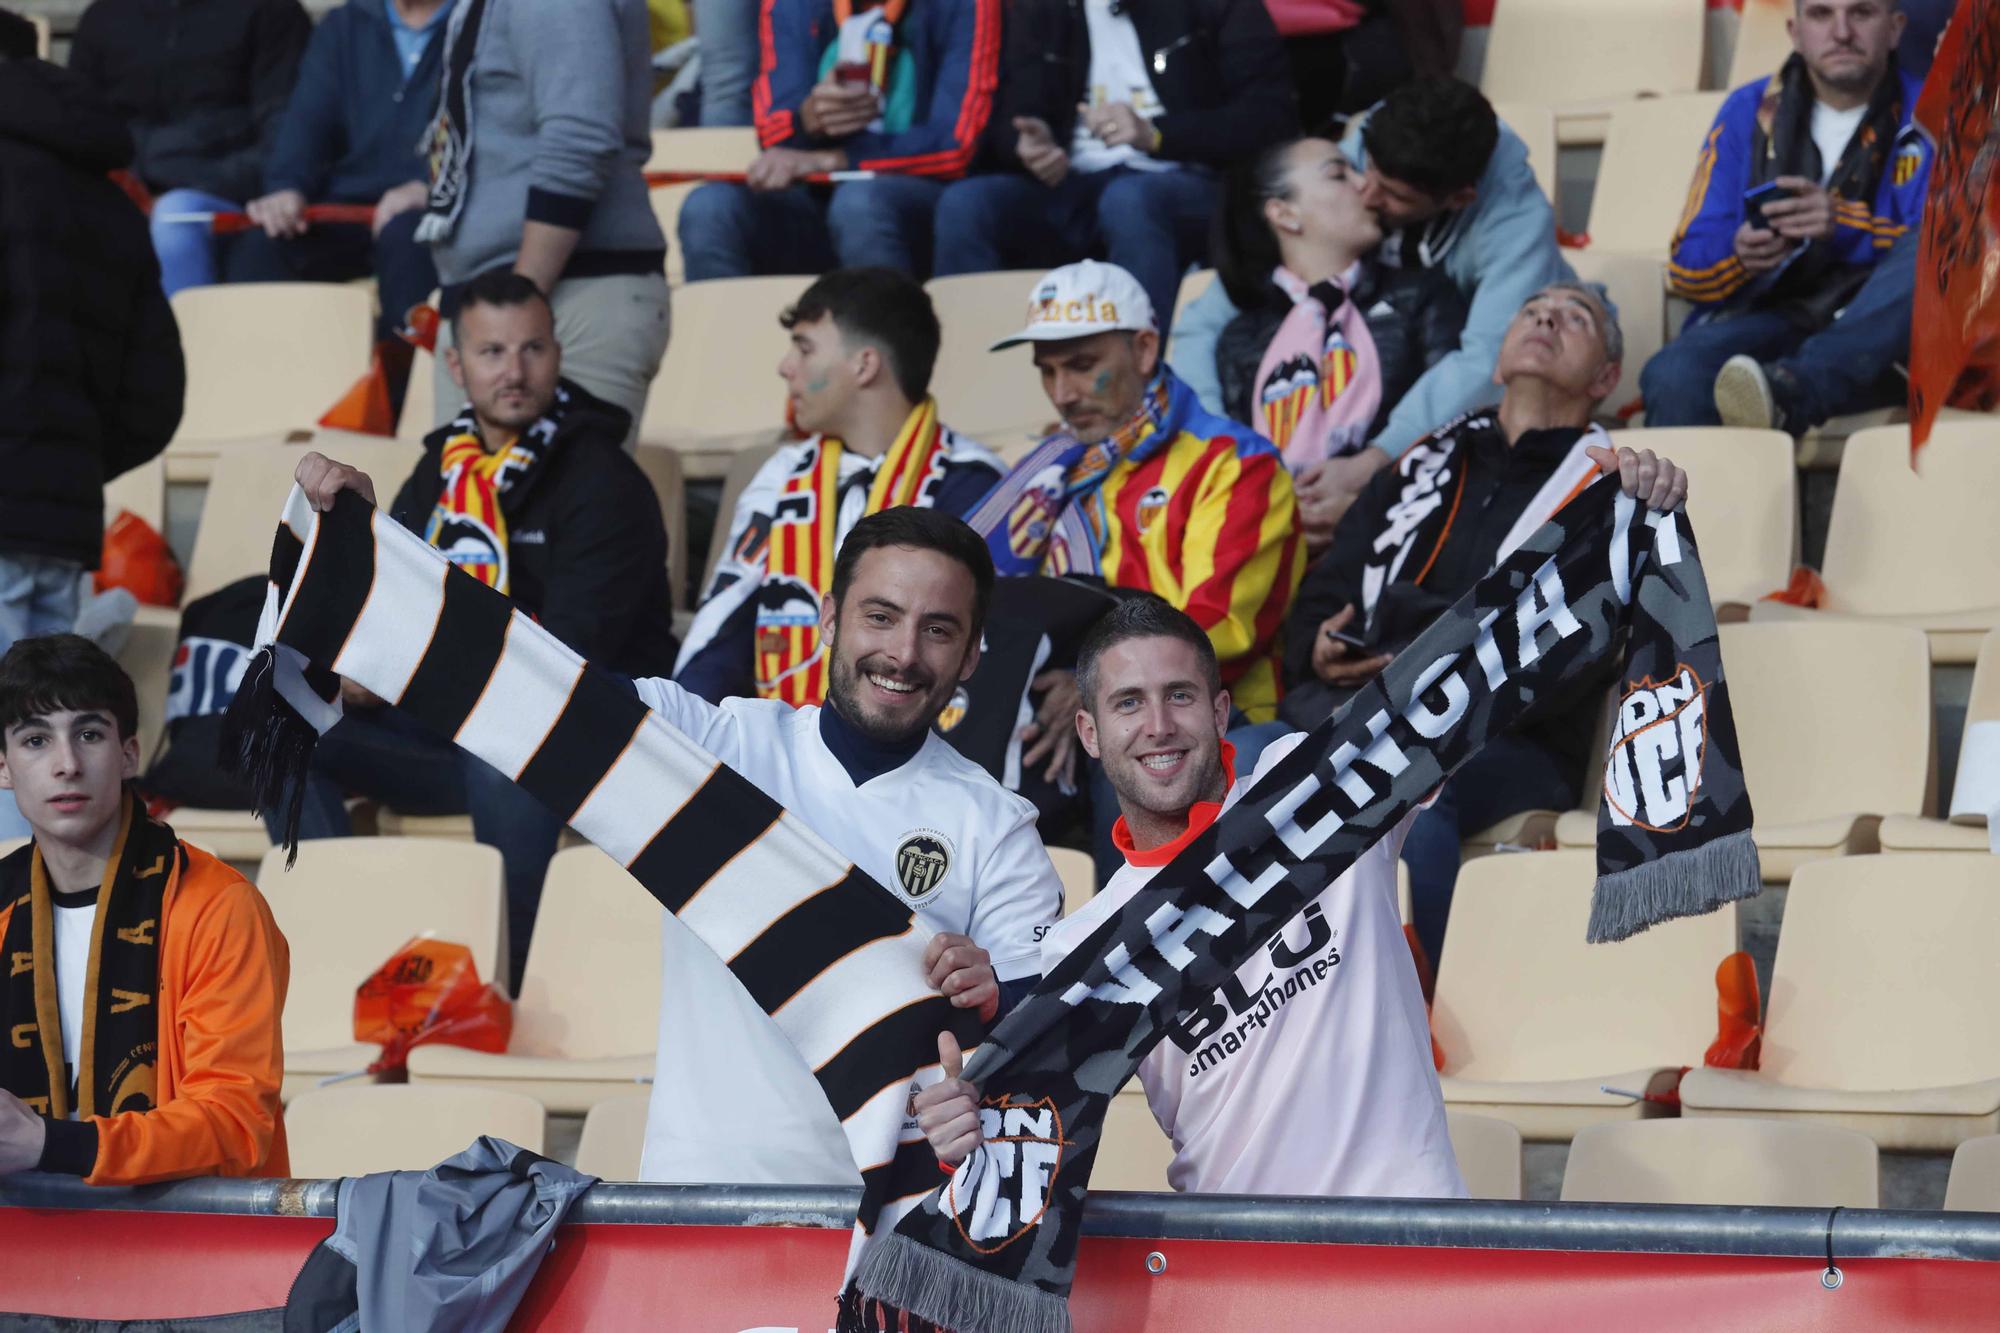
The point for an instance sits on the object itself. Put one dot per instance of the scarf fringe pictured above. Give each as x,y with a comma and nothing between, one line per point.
1688,882
899,1275
268,745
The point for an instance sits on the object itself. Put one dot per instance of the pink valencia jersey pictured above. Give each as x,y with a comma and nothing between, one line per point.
1310,1072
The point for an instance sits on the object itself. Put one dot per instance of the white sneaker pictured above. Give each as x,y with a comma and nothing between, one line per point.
1743,394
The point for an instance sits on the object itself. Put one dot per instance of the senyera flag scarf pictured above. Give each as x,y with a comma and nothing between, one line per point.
834,958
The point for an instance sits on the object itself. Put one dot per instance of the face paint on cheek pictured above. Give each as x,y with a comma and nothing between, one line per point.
817,384
1101,383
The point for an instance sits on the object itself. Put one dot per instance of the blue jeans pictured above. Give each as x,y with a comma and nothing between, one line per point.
1509,775
385,756
38,595
1152,224
731,231
1848,366
728,32
187,249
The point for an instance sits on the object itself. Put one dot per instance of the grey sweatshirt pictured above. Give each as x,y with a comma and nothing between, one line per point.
561,133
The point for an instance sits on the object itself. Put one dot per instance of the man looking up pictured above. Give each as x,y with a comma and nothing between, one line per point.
145,977
1797,245
857,377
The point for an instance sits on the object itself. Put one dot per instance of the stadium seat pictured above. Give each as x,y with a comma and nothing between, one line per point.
148,658
1533,1042
1884,1012
667,201
1637,287
1650,150
1962,833
995,397
588,1009
1762,43
1915,548
1078,874
1974,1186
1134,1152
1489,1154
420,399
663,468
742,467
718,390
1536,126
614,1137
1742,502
359,1129
265,357
703,148
1834,723
347,906
1576,55
1769,1163
143,491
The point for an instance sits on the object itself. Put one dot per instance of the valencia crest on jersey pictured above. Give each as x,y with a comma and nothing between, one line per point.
923,859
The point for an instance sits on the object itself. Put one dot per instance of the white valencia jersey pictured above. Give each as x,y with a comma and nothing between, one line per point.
1310,1072
732,1101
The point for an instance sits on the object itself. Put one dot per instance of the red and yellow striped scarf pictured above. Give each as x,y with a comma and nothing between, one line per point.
790,662
468,525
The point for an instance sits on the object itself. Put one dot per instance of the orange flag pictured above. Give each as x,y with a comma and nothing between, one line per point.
1955,317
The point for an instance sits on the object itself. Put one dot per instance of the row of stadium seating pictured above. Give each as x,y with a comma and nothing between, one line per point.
349,1131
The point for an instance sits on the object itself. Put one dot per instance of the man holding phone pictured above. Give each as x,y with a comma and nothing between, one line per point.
887,98
1798,244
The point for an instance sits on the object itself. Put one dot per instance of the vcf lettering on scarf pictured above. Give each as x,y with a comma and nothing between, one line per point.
827,953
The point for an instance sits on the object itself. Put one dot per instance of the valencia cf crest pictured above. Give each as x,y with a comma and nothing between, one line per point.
923,859
472,546
953,713
1151,505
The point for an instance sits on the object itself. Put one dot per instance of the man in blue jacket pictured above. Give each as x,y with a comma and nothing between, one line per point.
901,89
1798,242
367,89
1453,190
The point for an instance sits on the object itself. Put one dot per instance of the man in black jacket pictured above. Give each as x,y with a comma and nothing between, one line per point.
530,491
201,84
1111,118
1432,524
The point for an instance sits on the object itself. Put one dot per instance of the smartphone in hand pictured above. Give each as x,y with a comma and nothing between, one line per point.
1756,197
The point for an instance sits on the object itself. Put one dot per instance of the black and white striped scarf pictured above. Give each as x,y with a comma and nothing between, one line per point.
833,958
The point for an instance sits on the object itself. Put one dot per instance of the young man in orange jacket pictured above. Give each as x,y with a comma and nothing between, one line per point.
143,979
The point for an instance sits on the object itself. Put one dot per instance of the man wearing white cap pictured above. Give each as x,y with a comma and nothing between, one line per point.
1145,488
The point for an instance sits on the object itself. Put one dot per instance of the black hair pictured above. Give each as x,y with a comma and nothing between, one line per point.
497,287
883,308
1141,617
56,673
1435,134
1240,239
924,530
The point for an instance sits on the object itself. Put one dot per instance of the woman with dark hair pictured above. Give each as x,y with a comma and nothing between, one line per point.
1328,339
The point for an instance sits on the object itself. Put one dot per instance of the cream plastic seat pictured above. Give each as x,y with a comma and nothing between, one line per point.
1974,1186
1884,1013
1533,1044
1535,124
1135,1152
359,1129
663,468
1742,502
1916,548
1762,44
420,398
346,906
1592,51
1489,1154
1825,758
143,491
1637,287
1650,151
995,397
718,391
266,357
1078,874
587,1015
703,148
1768,1163
1961,833
614,1137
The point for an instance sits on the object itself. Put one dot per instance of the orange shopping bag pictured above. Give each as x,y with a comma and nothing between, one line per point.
429,991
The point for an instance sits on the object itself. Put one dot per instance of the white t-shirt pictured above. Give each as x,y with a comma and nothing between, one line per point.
732,1101
1117,74
73,927
1309,1074
1830,131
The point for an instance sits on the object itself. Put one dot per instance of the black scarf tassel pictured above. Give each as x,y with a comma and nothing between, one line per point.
268,745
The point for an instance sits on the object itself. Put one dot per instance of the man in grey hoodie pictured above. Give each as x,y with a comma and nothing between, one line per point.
537,164
1453,190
